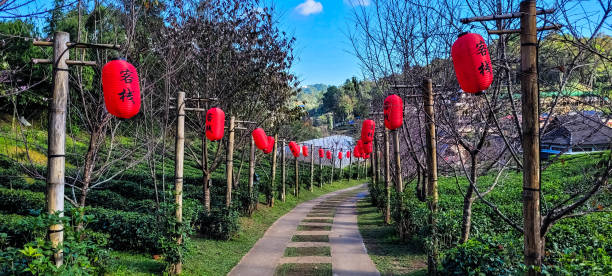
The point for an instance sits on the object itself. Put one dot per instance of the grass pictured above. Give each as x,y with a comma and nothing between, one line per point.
314,228
307,251
304,270
318,220
310,238
390,255
212,257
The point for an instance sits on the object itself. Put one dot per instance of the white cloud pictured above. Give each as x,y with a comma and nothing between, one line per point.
309,7
355,3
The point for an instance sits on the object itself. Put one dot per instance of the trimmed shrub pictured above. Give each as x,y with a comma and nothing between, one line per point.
220,224
21,202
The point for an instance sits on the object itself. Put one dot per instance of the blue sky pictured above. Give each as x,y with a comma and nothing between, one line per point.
323,51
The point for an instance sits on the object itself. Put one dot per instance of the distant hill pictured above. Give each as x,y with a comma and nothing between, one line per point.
314,88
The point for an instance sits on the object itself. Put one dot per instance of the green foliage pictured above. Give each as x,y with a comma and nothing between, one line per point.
482,257
221,223
21,202
81,250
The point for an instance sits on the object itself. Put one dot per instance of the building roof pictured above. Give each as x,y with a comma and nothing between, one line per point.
576,130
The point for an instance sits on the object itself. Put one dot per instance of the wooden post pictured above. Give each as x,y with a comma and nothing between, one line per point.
432,178
273,184
531,137
372,172
398,163
358,168
284,172
333,164
375,179
350,165
205,173
297,178
387,178
178,170
311,167
251,174
320,172
340,170
230,161
56,162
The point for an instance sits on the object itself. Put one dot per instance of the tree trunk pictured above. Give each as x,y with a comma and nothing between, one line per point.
468,200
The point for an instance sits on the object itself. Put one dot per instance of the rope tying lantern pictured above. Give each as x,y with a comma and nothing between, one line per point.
121,89
472,63
393,110
215,121
367,130
260,138
305,150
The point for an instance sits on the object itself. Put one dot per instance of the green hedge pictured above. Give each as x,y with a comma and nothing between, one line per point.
21,229
22,202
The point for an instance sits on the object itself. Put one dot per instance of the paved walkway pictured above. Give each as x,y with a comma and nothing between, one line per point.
319,236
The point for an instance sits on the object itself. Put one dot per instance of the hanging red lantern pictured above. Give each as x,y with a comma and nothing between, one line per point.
366,156
215,122
305,150
472,63
329,154
340,155
356,151
393,110
348,154
321,153
260,138
121,88
294,148
367,131
270,145
367,148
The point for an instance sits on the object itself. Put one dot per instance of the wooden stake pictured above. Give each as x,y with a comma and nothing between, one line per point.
340,170
387,178
297,178
273,184
432,166
399,185
530,140
284,172
311,167
350,165
320,172
333,164
56,164
178,170
251,174
230,162
375,158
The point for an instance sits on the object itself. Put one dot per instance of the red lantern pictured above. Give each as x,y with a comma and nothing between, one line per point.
121,88
367,148
340,155
260,137
321,153
472,63
348,154
367,131
270,145
215,121
356,151
393,110
329,155
305,151
366,156
295,149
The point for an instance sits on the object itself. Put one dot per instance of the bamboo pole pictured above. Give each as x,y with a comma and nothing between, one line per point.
273,184
333,164
530,140
340,170
251,174
432,166
284,172
311,167
56,163
178,171
350,165
205,173
230,161
398,163
297,178
387,178
375,179
320,172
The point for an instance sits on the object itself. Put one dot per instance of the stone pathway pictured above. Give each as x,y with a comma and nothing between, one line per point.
318,237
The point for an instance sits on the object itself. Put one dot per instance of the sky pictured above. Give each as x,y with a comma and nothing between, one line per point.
322,49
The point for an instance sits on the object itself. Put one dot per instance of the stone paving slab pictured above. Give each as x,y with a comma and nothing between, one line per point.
315,224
